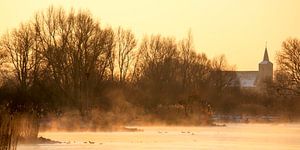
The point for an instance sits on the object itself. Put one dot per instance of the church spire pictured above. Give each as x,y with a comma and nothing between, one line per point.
266,56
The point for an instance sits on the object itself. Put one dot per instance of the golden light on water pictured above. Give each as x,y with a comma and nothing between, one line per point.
234,136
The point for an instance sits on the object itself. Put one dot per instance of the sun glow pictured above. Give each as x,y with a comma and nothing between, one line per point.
237,29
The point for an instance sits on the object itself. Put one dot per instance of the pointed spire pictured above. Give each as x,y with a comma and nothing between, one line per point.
266,56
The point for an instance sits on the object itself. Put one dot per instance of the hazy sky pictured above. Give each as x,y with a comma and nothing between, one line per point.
236,28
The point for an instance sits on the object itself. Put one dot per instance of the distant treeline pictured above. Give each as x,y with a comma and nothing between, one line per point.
65,65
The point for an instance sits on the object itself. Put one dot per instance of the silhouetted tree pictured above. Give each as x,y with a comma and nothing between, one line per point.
125,43
288,73
77,53
18,90
186,51
222,74
158,65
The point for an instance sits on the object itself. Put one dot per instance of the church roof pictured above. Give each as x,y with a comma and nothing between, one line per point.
266,58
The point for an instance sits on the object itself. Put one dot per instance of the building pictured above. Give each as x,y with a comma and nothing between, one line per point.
255,79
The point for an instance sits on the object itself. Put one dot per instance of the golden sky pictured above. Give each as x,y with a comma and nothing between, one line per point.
237,28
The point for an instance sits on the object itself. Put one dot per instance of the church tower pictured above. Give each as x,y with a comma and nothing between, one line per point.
265,68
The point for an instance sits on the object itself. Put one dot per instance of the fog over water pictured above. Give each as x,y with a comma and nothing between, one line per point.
233,136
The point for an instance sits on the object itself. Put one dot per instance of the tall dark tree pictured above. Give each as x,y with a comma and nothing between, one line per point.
77,52
288,73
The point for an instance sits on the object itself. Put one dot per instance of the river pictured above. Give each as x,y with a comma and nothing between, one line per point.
231,137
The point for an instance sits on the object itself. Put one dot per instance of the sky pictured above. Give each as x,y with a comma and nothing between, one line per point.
239,29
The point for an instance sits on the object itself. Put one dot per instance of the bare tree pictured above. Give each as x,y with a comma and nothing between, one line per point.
159,70
3,67
77,54
125,44
112,55
186,48
288,72
198,73
25,58
194,67
136,70
159,57
222,74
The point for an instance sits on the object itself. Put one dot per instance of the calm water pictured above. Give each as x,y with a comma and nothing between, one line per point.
234,136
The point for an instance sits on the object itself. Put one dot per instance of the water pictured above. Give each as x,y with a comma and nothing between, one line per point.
233,136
